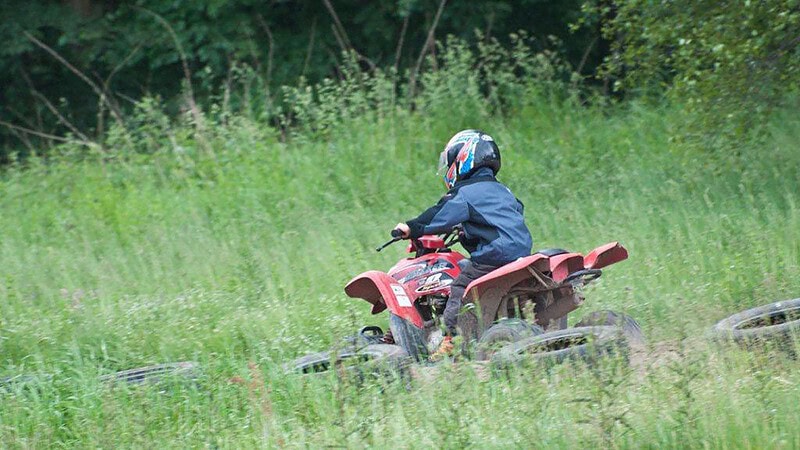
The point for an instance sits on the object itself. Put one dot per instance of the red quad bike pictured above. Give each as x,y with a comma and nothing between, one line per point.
506,311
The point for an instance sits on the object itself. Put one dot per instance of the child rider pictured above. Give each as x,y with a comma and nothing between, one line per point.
494,230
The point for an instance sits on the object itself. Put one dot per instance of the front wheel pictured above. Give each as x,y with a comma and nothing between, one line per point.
408,336
503,332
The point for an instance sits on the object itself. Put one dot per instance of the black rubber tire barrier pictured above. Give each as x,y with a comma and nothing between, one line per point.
12,383
374,358
777,322
155,374
365,336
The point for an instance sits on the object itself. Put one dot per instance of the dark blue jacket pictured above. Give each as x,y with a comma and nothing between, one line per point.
494,226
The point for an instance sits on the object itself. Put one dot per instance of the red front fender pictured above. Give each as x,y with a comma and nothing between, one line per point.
384,292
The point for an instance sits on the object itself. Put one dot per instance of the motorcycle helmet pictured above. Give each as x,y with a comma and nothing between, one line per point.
465,153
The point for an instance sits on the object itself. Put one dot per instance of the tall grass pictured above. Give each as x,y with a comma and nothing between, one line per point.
231,248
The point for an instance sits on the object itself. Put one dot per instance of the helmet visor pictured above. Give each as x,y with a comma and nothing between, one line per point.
442,168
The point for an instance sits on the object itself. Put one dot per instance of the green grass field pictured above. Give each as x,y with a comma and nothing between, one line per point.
234,254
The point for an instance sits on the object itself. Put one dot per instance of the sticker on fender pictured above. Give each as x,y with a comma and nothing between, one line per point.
402,298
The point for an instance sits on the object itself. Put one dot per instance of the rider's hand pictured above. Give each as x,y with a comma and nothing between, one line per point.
403,228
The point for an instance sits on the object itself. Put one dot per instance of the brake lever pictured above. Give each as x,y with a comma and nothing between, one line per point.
397,235
388,244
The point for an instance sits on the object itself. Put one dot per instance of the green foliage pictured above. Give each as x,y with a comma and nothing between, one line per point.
237,47
729,64
732,62
227,241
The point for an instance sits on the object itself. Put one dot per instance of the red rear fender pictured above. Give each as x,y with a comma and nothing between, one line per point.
501,279
383,292
564,264
605,255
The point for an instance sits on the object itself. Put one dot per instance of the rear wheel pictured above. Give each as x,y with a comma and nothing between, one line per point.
410,337
502,333
623,322
585,343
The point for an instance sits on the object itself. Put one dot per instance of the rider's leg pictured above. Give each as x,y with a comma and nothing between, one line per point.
469,273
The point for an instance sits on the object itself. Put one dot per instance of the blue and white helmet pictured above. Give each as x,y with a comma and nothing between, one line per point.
465,153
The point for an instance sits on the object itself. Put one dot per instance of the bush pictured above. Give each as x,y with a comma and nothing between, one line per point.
730,63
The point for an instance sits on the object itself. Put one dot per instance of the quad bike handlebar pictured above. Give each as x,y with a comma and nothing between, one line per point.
397,235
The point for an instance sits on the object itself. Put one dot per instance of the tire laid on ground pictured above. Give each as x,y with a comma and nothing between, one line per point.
408,336
310,363
155,374
365,336
386,359
502,333
10,383
6,383
777,322
374,358
584,343
630,328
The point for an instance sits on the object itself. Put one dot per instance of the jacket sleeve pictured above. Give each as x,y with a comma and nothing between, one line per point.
417,224
451,210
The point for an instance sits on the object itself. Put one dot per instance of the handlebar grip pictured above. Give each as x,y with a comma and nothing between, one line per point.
397,233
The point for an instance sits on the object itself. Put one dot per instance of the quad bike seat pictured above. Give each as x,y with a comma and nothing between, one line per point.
550,252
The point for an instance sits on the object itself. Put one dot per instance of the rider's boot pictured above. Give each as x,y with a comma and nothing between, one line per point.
446,348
